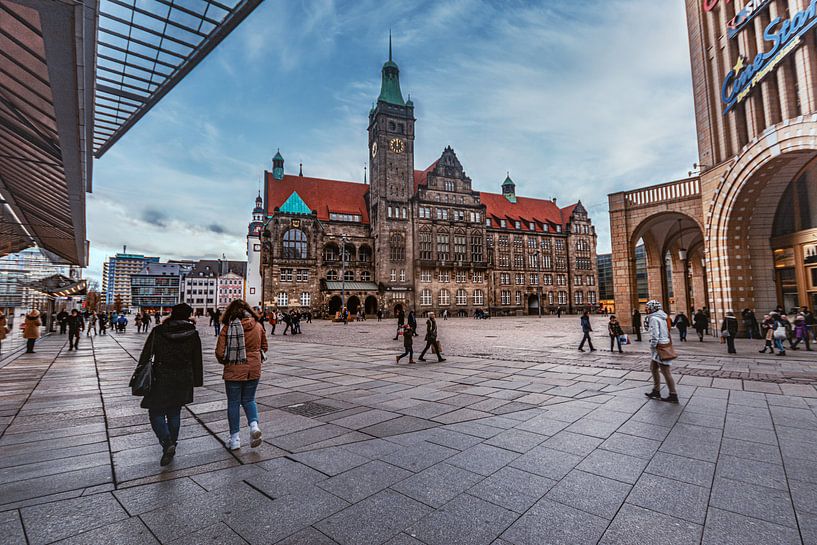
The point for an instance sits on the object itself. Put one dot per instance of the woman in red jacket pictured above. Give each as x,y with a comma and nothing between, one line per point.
239,348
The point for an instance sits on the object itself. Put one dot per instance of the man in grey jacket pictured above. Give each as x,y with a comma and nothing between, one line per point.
658,327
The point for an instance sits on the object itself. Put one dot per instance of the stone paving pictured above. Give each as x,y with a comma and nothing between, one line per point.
477,450
531,339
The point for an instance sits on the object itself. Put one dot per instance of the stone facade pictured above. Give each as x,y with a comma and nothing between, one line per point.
420,239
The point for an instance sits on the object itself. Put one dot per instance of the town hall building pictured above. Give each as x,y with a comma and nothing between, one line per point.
416,239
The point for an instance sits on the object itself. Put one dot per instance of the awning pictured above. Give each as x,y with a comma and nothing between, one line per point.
58,285
332,285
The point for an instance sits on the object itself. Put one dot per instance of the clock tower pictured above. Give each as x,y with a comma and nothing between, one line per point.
391,167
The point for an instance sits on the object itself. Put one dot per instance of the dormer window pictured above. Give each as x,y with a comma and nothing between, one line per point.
532,226
502,223
517,225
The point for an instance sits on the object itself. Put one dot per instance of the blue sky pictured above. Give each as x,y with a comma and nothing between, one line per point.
576,98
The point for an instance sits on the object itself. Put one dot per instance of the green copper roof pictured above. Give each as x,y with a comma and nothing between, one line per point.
278,156
295,205
508,181
390,82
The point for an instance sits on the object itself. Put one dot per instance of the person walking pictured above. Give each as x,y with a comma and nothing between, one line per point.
91,324
175,347
401,321
157,317
586,330
789,329
729,330
801,333
380,315
287,322
62,316
778,333
273,321
767,330
103,324
138,321
699,322
215,321
121,323
408,340
3,328
559,312
615,332
681,322
75,327
658,327
637,324
31,329
240,348
412,322
431,339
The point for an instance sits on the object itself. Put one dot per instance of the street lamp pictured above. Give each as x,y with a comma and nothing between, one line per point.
538,285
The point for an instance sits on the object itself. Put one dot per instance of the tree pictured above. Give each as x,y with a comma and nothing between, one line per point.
117,303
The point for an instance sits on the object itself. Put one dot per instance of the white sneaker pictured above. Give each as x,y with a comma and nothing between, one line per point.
255,435
234,442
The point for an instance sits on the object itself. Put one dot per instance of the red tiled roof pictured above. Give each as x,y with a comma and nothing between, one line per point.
421,176
525,209
325,196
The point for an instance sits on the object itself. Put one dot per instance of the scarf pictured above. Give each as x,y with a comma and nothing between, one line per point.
236,351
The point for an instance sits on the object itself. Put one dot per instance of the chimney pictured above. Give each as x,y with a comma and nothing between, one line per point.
554,200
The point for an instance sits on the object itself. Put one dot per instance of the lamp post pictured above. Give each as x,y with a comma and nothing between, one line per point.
536,254
344,239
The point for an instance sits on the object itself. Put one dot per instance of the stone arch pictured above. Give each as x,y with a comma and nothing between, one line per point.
741,214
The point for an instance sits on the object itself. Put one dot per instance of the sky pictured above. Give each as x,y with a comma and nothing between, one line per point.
575,98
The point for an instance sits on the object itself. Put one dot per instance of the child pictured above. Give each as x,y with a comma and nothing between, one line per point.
408,338
615,331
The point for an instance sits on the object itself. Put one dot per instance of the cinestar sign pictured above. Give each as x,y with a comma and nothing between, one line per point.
784,36
740,20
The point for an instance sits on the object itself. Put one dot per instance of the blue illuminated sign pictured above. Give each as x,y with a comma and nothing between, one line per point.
784,37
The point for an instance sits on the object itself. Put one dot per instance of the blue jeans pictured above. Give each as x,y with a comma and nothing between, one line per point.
166,424
778,343
241,394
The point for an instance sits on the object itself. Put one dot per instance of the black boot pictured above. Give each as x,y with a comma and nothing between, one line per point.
655,394
671,398
168,454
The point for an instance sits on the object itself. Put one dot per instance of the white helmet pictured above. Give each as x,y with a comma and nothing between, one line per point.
653,305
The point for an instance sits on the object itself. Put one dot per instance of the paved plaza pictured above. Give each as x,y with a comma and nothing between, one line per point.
526,441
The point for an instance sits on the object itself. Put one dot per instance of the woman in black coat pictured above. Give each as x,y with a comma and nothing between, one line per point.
700,323
177,369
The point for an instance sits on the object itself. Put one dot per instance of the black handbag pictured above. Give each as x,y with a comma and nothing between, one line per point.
143,377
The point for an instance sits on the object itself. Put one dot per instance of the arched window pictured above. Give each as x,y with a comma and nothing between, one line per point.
397,248
349,253
330,252
295,244
349,276
332,275
462,297
479,298
425,297
282,299
364,254
445,298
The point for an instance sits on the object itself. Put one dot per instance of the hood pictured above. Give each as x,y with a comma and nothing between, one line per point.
177,329
660,313
248,323
732,318
33,314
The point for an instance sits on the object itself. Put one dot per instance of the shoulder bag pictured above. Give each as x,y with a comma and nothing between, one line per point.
666,351
143,378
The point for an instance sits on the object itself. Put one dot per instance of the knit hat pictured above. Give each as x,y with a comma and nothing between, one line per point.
653,305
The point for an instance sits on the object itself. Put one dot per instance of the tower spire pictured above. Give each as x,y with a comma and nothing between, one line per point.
389,45
390,81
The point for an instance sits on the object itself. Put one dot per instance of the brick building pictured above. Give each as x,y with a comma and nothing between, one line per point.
420,239
742,231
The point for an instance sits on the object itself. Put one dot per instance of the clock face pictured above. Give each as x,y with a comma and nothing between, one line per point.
396,145
374,150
